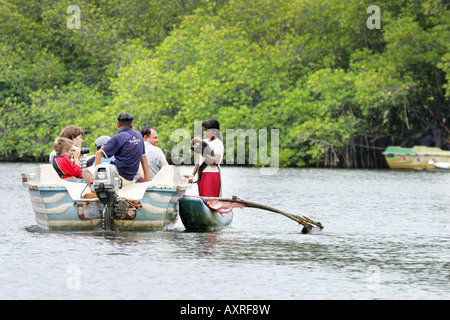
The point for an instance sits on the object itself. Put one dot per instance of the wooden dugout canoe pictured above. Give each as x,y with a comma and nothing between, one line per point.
200,215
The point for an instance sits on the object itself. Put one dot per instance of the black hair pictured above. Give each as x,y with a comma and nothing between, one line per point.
211,124
125,119
146,131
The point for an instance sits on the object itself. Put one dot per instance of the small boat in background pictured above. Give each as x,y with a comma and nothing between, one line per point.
418,157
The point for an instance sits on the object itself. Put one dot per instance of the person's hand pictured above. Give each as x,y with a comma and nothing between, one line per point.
76,153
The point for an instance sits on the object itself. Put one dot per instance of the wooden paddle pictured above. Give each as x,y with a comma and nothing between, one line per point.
307,223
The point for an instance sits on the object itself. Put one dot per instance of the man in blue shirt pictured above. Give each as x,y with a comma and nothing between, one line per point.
128,148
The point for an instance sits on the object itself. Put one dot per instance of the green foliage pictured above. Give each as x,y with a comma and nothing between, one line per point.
32,128
312,69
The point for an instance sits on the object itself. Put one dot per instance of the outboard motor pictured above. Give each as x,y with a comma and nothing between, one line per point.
106,183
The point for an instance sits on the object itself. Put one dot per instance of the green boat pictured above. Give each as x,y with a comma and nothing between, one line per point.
418,157
197,214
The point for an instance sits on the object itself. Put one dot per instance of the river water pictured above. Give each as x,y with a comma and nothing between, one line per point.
386,236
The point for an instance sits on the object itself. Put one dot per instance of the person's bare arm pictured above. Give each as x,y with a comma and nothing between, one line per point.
144,164
98,157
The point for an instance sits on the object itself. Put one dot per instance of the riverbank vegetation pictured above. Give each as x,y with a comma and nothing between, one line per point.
338,89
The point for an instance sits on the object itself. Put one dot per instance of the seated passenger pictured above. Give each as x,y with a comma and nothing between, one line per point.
155,156
64,150
88,173
128,148
76,135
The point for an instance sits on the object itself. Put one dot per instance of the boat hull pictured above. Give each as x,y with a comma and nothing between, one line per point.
417,157
54,209
197,216
158,211
60,205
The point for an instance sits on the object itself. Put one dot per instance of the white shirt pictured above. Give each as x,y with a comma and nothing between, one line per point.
218,148
155,158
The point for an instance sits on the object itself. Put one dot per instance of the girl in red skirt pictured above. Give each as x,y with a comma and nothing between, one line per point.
208,163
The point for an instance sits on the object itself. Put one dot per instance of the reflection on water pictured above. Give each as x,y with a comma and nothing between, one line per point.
386,236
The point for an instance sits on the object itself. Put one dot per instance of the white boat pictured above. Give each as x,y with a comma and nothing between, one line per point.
444,166
59,204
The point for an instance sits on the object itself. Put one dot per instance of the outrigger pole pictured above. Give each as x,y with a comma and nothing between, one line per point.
307,223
